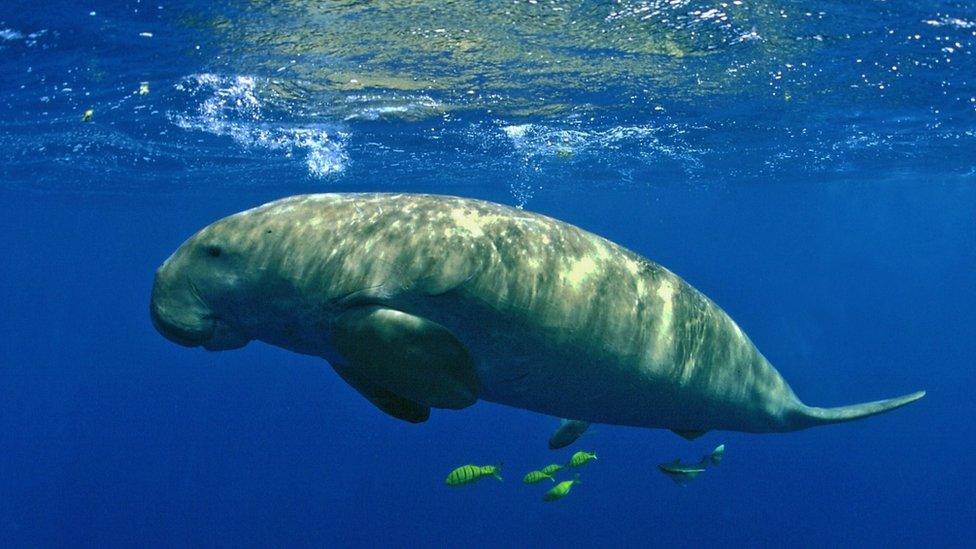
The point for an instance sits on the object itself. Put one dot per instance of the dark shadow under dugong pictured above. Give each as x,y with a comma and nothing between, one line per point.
423,301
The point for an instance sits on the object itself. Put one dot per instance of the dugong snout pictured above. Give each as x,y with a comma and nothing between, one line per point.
177,314
181,316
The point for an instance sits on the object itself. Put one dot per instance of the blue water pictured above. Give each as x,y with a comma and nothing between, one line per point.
823,195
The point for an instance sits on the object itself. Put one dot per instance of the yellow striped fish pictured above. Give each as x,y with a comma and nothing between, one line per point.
551,468
581,458
466,474
560,490
533,477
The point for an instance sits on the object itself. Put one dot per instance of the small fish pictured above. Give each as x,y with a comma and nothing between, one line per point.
717,454
533,477
466,474
682,474
143,88
87,115
560,490
551,468
568,431
581,458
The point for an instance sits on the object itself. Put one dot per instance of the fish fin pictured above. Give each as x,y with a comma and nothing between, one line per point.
688,434
388,402
717,454
407,355
807,416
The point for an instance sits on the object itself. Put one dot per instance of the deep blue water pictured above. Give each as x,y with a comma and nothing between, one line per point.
823,194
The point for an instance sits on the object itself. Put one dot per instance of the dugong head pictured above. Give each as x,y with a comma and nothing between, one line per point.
203,295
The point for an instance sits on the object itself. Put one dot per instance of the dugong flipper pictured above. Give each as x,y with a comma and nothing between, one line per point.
422,301
410,356
387,401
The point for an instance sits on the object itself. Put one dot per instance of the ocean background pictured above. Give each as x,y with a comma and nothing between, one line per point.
810,166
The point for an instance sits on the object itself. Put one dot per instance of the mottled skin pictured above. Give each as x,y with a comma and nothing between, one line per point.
556,319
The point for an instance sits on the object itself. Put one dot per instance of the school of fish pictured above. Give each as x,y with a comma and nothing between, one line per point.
681,474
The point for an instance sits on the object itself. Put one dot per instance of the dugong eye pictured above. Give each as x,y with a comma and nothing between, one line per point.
214,251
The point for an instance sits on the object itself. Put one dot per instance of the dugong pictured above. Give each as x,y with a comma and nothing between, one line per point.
424,301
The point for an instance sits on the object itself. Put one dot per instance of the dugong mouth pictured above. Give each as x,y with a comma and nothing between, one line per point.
187,336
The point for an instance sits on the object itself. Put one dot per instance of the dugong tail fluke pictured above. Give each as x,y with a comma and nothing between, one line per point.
810,416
